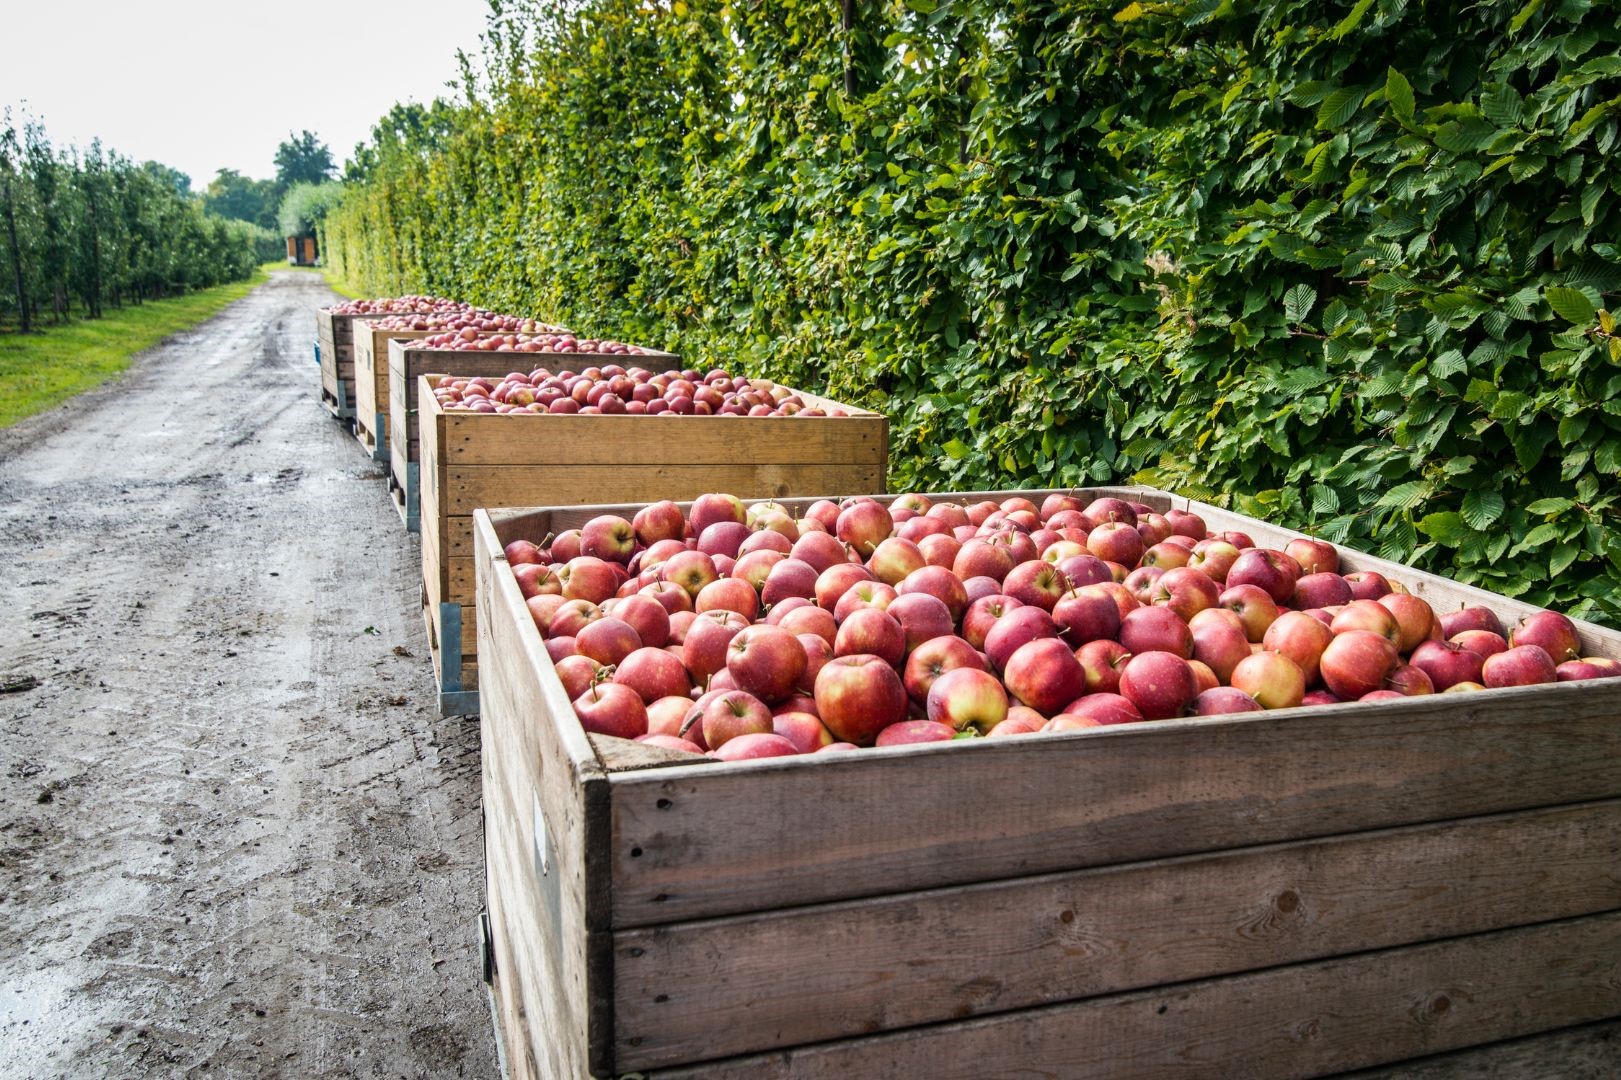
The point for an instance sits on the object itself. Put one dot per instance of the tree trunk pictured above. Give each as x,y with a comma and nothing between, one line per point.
16,259
848,13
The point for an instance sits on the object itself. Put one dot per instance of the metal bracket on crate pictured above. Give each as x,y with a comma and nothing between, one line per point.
413,497
317,354
486,946
379,450
454,698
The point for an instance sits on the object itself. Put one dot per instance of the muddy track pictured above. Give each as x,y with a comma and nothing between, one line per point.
235,837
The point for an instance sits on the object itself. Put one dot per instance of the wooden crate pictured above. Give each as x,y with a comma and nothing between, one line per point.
1281,894
406,365
372,412
473,460
335,340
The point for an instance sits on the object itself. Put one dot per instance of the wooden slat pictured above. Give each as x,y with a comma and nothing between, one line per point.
1026,806
548,774
472,488
947,954
1305,1020
575,440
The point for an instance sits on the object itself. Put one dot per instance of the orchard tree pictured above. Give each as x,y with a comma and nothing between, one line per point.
232,195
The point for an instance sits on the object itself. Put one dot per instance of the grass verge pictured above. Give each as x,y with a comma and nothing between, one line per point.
40,370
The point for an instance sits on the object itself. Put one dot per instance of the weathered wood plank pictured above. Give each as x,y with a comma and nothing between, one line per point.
469,488
572,440
1305,1020
947,954
961,813
558,795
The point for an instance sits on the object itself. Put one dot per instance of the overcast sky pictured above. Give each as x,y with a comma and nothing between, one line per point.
202,85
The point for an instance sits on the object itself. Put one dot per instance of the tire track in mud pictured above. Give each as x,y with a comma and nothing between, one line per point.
235,837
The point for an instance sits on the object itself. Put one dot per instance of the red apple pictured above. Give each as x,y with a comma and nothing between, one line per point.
1253,605
982,615
861,596
1553,632
754,746
1102,662
1100,710
858,696
708,509
1582,670
1482,643
1141,583
908,732
1186,523
1160,684
607,640
1320,697
1313,556
766,661
836,580
653,673
1167,556
1522,665
608,537
1271,570
611,709
542,608
965,697
578,674
704,648
1414,618
1220,645
871,631
1109,509
1156,629
524,552
939,582
921,616
587,577
1185,591
787,580
1272,679
1367,585
1357,662
934,658
1213,558
1084,570
1116,541
728,594
1044,675
1039,583
691,570
893,559
1018,627
1368,615
1454,623
728,715
980,558
807,618
537,579
1084,615
658,521
1409,681
864,525
1320,591
1447,663
672,598
940,551
820,550
802,729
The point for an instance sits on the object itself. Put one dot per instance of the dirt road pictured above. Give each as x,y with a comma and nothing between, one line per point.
235,838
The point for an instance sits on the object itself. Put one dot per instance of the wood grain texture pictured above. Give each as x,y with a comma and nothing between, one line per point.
627,755
469,488
1303,1020
545,811
576,440
1119,794
815,974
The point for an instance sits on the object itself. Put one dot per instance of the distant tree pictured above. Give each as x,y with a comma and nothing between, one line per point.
10,152
172,178
306,206
232,195
302,159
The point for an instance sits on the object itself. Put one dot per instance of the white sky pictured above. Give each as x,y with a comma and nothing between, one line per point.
202,85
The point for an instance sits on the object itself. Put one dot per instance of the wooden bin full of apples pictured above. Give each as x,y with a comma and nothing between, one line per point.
1073,783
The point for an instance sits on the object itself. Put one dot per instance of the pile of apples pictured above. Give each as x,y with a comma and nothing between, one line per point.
744,632
531,337
398,305
469,322
614,390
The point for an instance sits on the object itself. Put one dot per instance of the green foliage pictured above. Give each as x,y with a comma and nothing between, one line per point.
303,159
1350,267
239,198
98,230
305,206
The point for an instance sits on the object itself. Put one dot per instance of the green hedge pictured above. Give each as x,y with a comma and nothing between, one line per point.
1345,266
